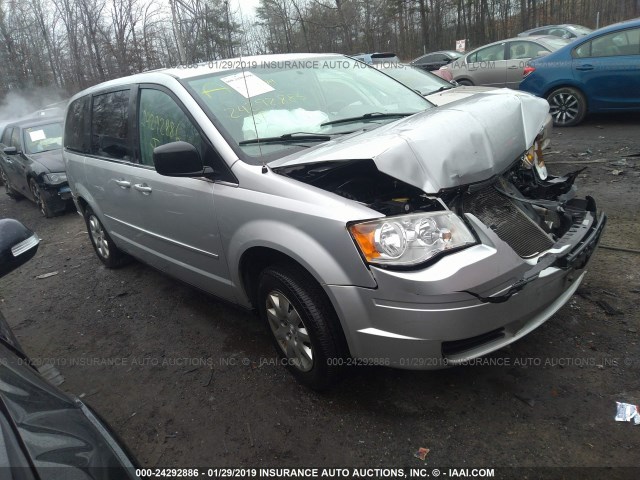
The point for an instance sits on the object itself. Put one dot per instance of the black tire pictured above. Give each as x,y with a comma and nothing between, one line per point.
567,106
7,186
105,249
40,199
465,83
318,331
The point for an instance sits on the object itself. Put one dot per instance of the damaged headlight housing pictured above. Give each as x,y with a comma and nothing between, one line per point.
410,239
55,178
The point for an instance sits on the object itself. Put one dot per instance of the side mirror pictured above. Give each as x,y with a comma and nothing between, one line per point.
10,150
178,159
454,83
18,245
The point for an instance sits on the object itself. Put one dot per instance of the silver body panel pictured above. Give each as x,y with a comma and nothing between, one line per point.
198,230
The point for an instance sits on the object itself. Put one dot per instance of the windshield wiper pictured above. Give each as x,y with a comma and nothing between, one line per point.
441,89
289,137
367,116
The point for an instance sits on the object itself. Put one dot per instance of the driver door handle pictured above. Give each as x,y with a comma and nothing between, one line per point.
143,187
586,66
123,183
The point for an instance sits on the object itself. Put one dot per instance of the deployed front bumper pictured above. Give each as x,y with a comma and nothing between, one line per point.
427,319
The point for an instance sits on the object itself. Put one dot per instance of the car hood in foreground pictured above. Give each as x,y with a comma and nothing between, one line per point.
49,435
463,142
51,160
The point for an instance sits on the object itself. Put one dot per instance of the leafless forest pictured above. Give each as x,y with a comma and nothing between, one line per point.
66,45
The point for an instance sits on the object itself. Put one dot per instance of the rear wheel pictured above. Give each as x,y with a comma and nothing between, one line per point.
7,186
303,325
104,247
465,83
567,106
40,199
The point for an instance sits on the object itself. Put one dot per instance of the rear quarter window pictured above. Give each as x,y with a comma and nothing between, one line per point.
76,127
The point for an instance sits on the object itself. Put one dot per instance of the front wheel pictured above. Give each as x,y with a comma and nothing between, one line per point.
465,83
567,106
105,249
303,325
40,199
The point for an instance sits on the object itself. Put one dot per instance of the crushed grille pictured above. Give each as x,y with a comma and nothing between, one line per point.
508,221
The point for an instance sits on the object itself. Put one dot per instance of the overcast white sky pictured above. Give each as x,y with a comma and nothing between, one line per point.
247,7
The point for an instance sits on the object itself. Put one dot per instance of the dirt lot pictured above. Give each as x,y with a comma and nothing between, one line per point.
197,383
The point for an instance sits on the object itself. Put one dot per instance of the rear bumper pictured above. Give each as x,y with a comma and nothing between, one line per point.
427,320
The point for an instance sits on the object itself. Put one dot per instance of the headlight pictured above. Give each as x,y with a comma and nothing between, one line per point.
55,178
410,239
533,158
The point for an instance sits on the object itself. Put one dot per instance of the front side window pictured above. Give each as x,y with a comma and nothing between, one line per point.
110,125
161,121
15,139
490,54
43,138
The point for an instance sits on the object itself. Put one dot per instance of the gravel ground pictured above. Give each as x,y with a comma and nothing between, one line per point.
195,381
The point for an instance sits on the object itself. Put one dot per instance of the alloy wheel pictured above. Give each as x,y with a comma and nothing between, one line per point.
38,198
99,237
289,330
564,108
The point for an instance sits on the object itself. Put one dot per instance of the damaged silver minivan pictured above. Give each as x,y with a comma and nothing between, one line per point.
365,225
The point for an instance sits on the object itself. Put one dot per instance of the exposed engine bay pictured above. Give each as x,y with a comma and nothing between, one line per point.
525,210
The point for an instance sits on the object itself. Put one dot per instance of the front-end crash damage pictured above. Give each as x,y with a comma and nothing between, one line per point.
54,191
480,160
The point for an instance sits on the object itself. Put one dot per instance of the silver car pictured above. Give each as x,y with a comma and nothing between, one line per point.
501,64
363,224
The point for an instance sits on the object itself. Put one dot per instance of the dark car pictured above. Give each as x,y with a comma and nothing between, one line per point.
45,433
597,73
435,60
566,30
31,163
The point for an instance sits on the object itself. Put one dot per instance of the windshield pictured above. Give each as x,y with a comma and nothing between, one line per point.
323,96
416,78
43,138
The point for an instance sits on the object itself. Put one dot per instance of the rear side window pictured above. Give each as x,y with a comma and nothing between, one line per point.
161,120
76,132
110,125
625,42
6,136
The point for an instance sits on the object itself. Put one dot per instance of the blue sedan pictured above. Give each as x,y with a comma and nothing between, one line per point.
596,73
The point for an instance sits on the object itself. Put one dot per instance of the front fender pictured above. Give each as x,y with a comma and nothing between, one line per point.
297,244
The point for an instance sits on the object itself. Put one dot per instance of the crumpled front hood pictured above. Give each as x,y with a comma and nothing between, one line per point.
463,142
458,93
51,160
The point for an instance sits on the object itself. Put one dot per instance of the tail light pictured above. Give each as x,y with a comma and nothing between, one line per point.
527,70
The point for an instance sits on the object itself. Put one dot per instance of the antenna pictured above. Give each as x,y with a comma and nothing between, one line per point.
265,169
